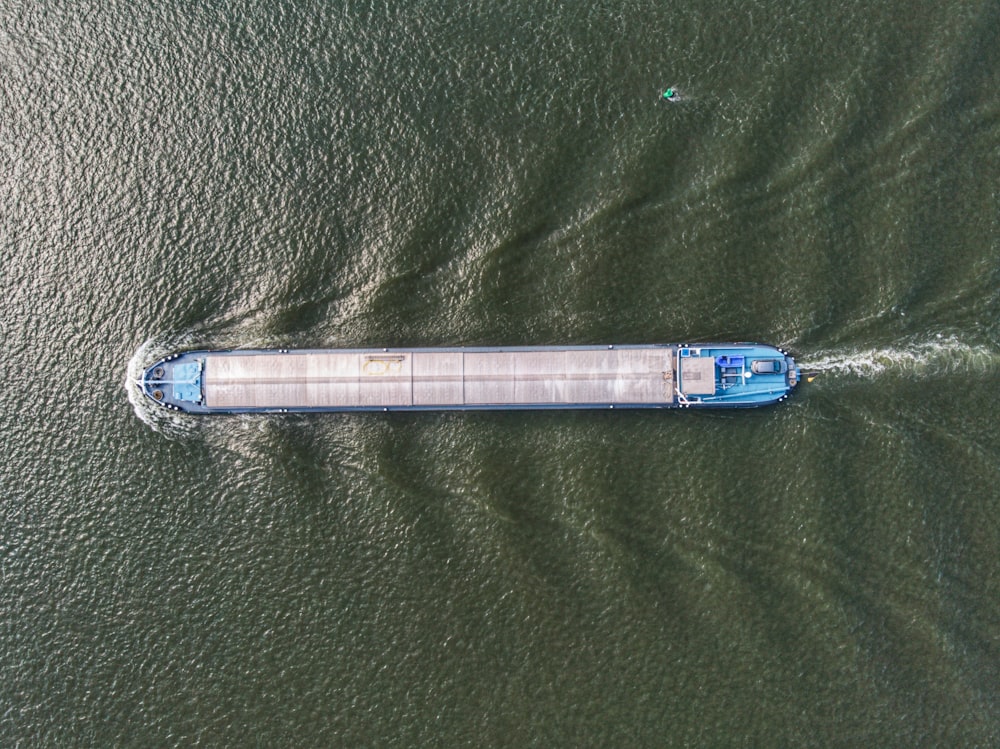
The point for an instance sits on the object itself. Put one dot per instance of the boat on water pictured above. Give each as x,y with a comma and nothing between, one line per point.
707,375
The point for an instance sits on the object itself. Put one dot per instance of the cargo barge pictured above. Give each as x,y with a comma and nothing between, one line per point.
710,375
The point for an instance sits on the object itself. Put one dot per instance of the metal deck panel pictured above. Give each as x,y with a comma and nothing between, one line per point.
540,377
331,380
371,379
590,376
281,381
646,376
385,379
569,376
697,375
489,377
437,378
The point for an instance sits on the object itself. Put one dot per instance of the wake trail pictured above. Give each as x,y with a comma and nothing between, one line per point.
918,359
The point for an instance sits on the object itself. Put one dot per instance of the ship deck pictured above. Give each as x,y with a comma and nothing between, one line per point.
450,378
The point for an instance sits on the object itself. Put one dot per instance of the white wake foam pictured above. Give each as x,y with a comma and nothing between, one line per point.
940,356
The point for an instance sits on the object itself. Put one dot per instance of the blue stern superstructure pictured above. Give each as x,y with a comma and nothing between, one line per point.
733,375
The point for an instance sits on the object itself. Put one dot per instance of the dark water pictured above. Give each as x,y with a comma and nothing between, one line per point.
825,573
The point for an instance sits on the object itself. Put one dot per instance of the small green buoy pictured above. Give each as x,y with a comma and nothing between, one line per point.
669,95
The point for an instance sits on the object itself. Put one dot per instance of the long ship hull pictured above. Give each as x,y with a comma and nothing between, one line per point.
711,375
